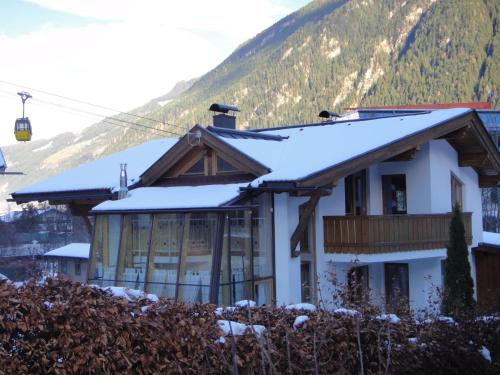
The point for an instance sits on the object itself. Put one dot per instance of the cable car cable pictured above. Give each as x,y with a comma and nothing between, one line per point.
100,116
91,104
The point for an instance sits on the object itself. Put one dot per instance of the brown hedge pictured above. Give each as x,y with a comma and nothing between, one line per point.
62,327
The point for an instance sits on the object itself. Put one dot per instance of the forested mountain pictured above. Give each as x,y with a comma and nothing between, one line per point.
331,54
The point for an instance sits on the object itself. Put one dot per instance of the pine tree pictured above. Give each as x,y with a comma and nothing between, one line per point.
458,285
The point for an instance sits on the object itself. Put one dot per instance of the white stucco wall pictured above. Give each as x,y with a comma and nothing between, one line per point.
428,181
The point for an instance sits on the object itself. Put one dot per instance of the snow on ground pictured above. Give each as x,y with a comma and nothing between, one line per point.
301,319
229,327
245,303
446,319
485,353
391,318
344,311
128,294
73,250
301,306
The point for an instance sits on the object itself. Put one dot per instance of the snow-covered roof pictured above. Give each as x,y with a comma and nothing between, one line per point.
490,238
104,173
73,250
305,150
310,149
174,197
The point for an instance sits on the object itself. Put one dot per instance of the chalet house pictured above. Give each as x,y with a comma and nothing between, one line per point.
219,214
71,261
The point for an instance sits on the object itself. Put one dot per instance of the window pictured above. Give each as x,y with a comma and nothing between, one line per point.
397,287
78,269
224,166
355,194
197,168
105,245
133,251
64,267
456,192
357,284
394,194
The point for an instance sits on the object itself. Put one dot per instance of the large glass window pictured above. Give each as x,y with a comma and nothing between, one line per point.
262,233
175,254
134,251
105,250
163,263
196,256
236,263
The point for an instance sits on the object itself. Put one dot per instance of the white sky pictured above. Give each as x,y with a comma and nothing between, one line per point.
125,53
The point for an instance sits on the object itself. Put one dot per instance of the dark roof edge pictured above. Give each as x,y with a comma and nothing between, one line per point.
104,193
324,123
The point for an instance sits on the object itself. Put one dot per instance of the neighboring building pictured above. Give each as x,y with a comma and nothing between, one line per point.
221,215
70,261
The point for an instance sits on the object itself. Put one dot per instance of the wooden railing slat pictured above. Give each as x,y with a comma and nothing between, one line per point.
389,233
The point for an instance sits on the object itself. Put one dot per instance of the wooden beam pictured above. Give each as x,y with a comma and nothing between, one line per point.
88,225
476,159
303,221
457,134
406,155
489,181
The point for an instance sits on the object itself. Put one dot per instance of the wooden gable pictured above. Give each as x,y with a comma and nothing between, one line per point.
202,160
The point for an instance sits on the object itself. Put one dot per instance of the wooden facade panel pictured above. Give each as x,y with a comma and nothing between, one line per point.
389,233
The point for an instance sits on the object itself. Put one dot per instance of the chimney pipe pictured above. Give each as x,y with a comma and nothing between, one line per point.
222,119
123,191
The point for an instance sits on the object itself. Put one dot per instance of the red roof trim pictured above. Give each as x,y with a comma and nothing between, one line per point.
471,105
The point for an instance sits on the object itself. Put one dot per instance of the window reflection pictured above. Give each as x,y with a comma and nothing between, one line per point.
134,251
172,254
165,249
105,250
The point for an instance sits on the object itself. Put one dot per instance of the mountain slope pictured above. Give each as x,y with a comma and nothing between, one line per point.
330,54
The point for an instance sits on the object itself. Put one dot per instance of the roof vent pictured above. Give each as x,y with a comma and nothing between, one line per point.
329,115
223,119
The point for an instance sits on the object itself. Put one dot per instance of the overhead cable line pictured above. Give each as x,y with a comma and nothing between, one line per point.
100,116
90,104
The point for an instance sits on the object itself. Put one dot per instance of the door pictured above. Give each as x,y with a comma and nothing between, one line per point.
397,286
356,194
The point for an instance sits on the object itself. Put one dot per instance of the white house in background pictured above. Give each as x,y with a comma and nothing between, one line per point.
221,215
71,261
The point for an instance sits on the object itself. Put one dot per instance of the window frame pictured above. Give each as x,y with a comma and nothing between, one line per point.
456,182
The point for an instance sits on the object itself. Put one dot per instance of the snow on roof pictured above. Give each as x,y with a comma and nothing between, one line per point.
73,250
104,173
310,149
491,238
175,197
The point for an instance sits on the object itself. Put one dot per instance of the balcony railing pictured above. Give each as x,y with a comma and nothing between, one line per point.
389,233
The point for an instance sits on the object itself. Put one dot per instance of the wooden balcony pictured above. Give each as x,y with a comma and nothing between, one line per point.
389,233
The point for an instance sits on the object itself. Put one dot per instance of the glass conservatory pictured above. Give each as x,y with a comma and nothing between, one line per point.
219,256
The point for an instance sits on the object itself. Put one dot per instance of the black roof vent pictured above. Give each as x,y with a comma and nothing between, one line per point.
223,108
223,120
328,114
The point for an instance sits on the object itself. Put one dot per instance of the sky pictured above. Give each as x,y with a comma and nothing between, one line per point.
114,53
